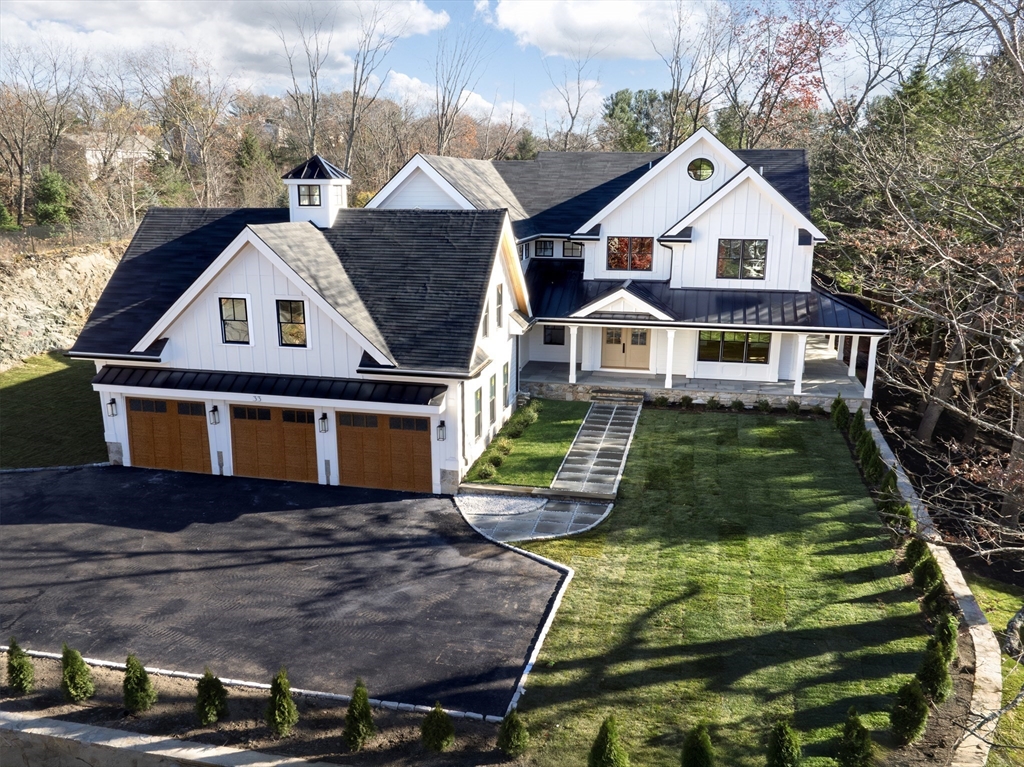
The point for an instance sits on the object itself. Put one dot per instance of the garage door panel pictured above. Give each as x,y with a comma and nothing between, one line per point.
274,443
168,434
390,452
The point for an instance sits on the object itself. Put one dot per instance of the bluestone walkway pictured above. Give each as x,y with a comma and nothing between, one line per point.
595,461
525,518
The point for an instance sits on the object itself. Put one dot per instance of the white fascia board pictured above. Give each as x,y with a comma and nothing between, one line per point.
419,163
510,257
620,293
701,134
773,194
709,326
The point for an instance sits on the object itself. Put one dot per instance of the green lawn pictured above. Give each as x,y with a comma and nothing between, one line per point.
743,575
1000,601
537,454
49,415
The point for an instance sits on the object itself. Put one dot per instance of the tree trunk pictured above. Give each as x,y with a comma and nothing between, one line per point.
943,391
1013,503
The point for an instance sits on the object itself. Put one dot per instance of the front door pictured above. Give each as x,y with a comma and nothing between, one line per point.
626,348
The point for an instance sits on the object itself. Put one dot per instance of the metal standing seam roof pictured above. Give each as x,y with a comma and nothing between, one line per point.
341,389
316,168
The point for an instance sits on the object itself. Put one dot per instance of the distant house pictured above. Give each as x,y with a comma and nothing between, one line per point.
108,151
384,347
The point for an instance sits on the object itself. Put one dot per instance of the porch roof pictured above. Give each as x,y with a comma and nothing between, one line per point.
558,291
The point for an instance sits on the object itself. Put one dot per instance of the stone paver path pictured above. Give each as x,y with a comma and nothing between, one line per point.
595,460
509,519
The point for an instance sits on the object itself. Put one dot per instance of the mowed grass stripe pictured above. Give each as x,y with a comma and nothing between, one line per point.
743,575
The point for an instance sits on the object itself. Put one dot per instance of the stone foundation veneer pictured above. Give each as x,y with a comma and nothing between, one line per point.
449,482
115,453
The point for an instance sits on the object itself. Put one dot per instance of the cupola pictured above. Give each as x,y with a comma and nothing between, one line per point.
317,190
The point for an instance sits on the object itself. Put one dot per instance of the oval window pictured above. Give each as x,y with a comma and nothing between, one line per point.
700,169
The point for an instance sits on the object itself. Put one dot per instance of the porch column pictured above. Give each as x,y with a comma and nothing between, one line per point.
572,353
841,349
869,376
831,340
671,334
855,345
801,350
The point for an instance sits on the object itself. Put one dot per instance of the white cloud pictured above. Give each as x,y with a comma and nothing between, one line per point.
410,91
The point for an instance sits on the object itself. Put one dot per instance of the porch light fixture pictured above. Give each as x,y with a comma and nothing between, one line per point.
441,431
323,423
214,416
112,407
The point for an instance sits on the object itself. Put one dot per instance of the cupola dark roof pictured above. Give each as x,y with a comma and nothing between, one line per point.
316,167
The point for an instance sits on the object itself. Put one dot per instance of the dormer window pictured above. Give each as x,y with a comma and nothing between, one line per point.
631,253
572,250
309,195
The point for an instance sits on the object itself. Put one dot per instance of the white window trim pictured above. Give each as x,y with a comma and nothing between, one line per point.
248,314
277,323
298,195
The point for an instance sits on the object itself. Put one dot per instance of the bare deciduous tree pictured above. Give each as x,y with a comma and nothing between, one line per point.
458,65
316,32
574,84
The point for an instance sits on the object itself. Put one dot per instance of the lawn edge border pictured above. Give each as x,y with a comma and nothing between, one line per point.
986,696
56,468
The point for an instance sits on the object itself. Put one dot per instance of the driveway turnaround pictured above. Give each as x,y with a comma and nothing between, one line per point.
246,576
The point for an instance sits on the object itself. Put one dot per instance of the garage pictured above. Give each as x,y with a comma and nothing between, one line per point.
384,451
274,443
168,434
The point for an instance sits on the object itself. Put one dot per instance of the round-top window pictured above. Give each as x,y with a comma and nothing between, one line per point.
700,169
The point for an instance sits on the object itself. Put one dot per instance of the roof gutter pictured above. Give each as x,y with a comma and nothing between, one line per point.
100,356
421,373
707,326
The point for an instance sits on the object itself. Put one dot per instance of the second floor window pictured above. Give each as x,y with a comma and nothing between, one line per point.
291,323
572,250
499,306
234,321
309,195
632,253
742,259
486,331
544,249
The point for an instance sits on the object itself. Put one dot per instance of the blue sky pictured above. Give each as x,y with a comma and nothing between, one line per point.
522,40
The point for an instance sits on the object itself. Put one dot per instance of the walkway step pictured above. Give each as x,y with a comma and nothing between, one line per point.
597,456
616,396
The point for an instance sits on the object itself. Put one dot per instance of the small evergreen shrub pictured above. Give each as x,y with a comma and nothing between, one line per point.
765,406
909,714
876,468
137,688
946,630
661,401
536,405
737,405
793,407
75,678
934,674
697,748
282,713
51,193
607,751
855,747
927,574
686,402
856,426
529,414
437,729
486,471
783,746
840,413
817,410
712,404
936,601
514,429
915,552
900,518
888,488
211,699
359,725
8,223
494,458
21,674
513,737
503,445
866,448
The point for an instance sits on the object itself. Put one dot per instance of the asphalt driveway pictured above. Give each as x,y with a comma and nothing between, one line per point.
245,576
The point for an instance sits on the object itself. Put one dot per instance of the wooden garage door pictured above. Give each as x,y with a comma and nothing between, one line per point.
390,452
168,434
273,443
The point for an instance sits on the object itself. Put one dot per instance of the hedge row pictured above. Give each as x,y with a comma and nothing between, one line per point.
487,464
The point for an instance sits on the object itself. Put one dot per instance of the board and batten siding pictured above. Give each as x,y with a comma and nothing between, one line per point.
419,191
195,341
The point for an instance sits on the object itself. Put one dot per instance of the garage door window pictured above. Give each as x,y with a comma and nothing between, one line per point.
191,408
297,416
408,424
357,419
252,413
148,405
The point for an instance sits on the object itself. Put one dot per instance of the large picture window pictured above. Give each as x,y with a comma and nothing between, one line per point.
742,259
309,195
291,323
234,321
716,346
631,253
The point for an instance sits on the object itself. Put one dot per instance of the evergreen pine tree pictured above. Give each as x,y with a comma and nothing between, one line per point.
607,751
211,699
855,747
437,729
783,746
51,193
76,679
358,719
282,713
909,714
513,737
934,674
946,631
21,674
139,694
697,748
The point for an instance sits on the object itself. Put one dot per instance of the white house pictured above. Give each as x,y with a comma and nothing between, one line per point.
384,347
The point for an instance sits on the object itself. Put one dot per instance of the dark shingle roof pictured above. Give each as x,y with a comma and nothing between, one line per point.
346,389
558,290
423,276
169,251
316,167
784,169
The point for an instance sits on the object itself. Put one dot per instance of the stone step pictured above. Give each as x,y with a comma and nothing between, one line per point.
616,396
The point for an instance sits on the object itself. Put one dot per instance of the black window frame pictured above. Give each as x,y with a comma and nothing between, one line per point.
629,254
696,168
233,318
547,246
766,344
575,245
280,324
304,192
554,335
744,245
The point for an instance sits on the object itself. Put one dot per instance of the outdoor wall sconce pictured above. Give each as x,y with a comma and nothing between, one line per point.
323,423
441,431
214,416
112,407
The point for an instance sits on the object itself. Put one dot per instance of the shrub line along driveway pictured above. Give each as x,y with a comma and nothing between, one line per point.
248,575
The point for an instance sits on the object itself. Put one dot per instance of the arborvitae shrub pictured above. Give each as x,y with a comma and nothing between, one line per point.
21,674
915,552
946,630
818,410
661,401
139,694
494,458
908,523
211,699
486,470
783,746
855,748
840,413
359,718
75,678
936,601
607,751
927,574
514,429
737,405
513,737
875,468
764,405
437,729
909,714
856,426
793,407
282,713
712,404
888,488
686,402
866,449
697,748
934,675
503,445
